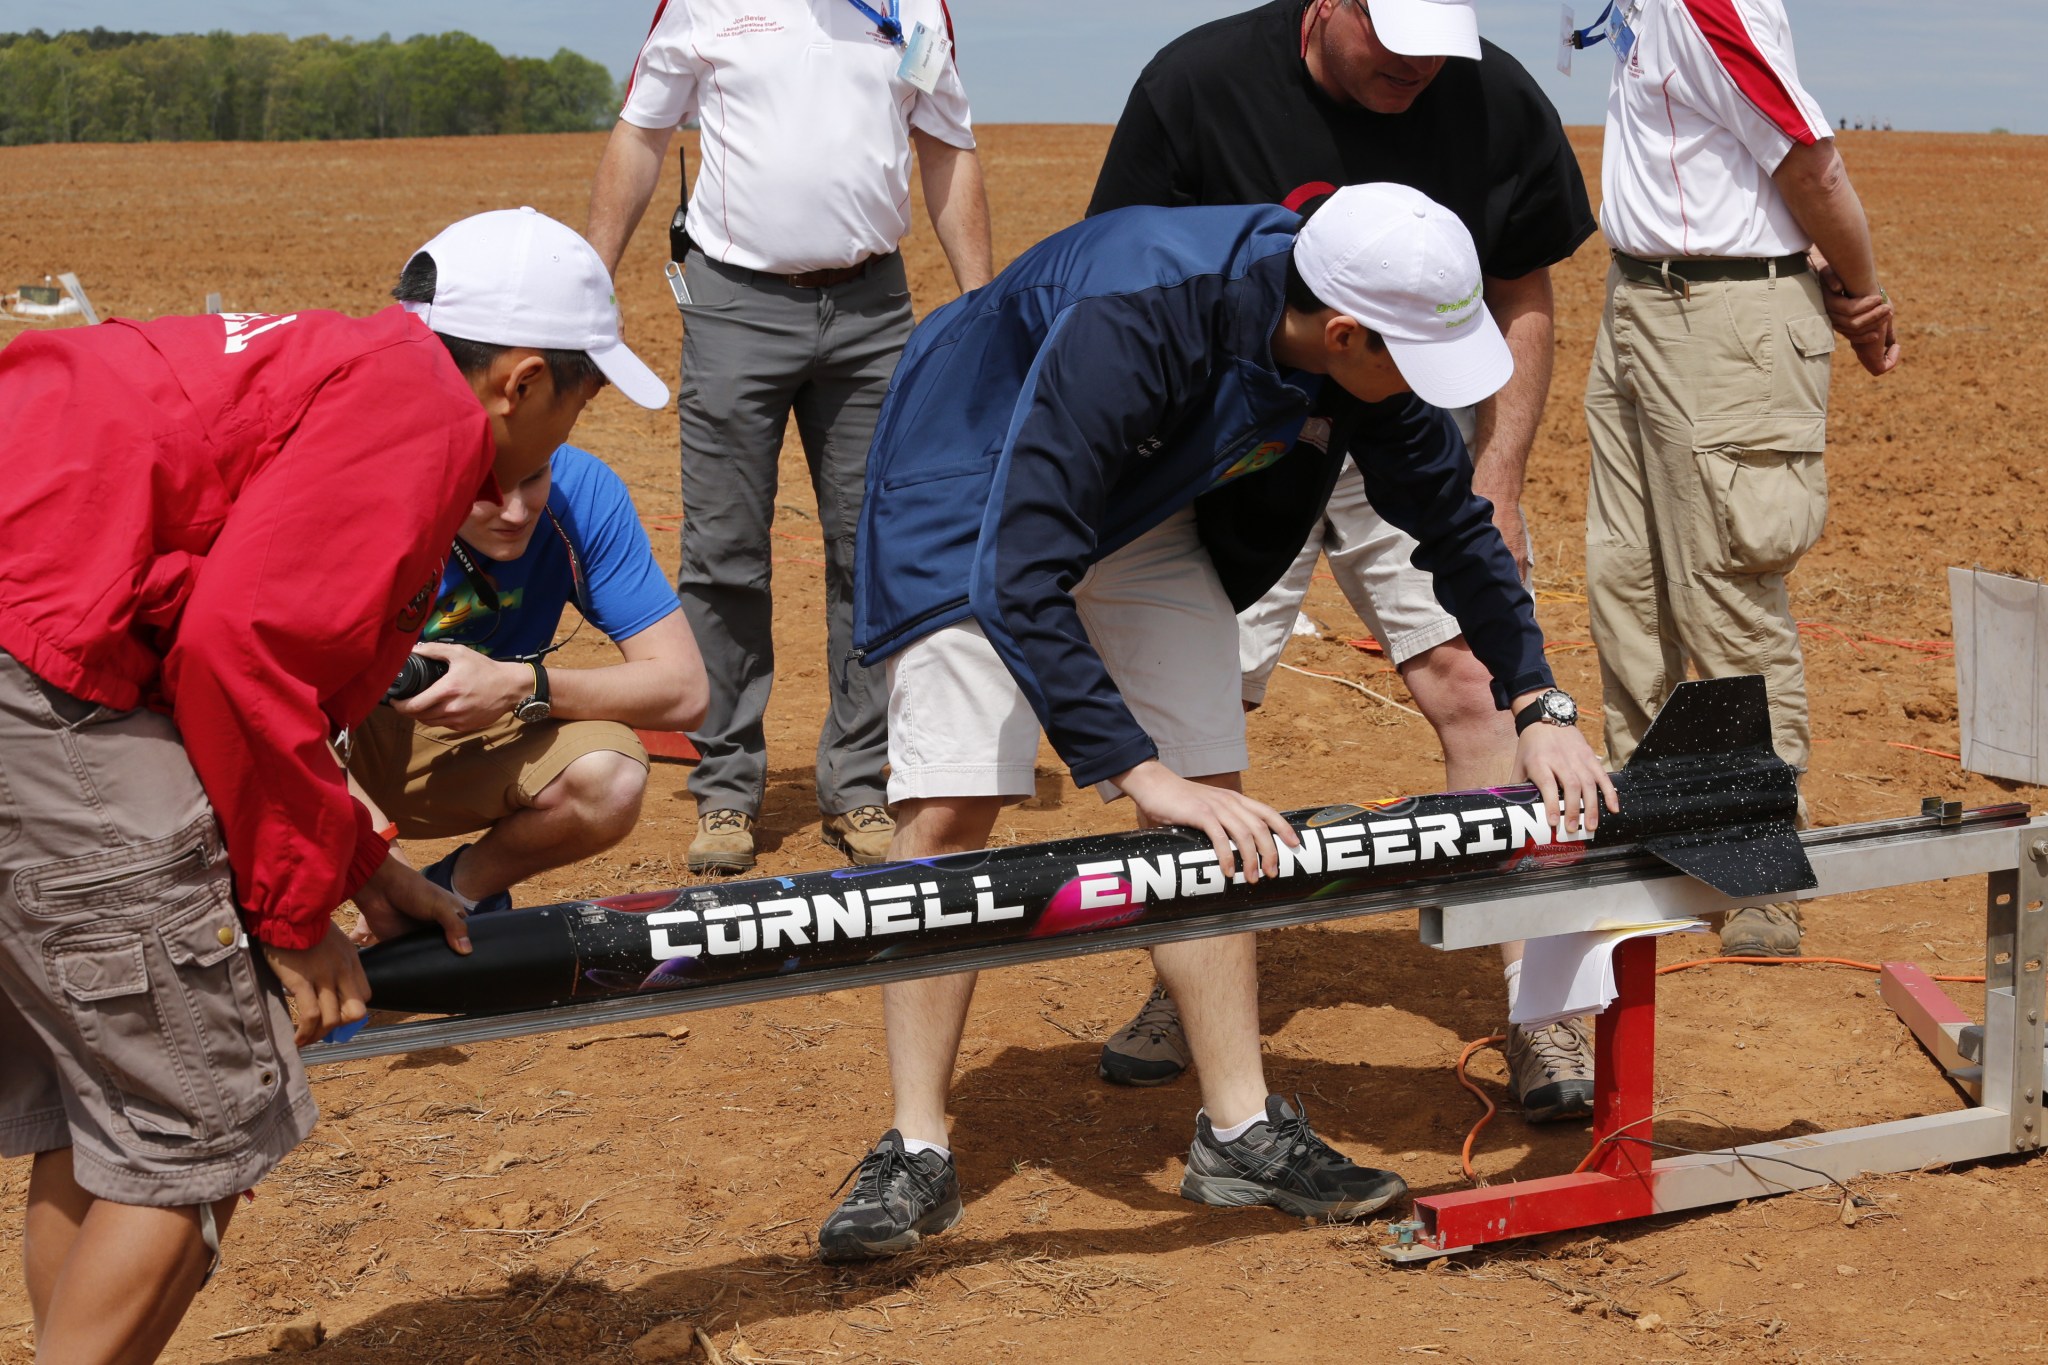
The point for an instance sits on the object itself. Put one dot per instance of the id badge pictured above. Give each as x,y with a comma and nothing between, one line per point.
1619,31
1567,34
924,57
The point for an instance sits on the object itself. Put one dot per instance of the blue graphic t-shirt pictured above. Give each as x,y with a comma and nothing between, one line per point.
623,590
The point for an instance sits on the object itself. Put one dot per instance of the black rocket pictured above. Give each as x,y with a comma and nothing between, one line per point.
1705,792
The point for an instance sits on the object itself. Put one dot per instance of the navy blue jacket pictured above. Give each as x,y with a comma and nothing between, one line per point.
1111,374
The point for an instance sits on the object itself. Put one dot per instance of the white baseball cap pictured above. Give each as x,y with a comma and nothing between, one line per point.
1426,28
1395,260
516,277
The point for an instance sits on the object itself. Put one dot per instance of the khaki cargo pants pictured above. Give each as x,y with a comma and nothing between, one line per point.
1707,409
134,1028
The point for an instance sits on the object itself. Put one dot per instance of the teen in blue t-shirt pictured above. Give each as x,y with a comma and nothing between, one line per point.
541,758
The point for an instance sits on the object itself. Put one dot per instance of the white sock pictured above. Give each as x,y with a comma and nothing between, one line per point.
916,1145
1513,972
468,905
1235,1130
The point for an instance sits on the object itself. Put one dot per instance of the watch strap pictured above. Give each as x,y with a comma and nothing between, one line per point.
540,681
1535,712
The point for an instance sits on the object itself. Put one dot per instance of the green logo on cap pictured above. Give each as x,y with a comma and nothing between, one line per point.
1461,303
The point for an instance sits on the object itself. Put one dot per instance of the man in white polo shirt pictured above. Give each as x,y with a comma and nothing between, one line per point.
793,300
1737,237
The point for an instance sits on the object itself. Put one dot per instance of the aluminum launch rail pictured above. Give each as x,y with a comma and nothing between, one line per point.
1999,1064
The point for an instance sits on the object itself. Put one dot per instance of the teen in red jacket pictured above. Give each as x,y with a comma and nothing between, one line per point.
219,537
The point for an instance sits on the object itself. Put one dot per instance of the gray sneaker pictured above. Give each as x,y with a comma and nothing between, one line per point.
1550,1071
1770,930
1280,1161
1150,1050
899,1199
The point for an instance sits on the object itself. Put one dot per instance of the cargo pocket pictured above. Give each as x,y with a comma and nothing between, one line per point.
217,986
1766,491
106,985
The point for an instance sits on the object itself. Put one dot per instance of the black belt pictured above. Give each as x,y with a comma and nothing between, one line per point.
1708,269
825,279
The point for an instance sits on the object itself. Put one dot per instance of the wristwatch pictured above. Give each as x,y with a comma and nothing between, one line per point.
1554,707
536,707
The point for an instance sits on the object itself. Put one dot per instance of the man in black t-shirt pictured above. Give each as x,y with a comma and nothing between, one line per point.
1285,103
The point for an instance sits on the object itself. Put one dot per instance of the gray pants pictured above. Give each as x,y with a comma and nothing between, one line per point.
754,351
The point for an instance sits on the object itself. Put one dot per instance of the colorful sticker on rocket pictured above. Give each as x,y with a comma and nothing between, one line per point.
1096,899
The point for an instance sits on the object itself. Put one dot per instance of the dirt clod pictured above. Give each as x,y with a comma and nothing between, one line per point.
299,1335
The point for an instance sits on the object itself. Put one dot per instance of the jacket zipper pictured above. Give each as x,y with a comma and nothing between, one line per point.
96,882
860,654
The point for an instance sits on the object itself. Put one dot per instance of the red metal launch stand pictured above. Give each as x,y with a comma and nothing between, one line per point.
1998,1065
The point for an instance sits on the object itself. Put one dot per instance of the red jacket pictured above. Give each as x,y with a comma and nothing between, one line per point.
240,520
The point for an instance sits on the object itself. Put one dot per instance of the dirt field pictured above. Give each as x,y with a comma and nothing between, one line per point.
559,1199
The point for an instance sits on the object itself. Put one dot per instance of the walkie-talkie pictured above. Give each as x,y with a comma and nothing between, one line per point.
679,234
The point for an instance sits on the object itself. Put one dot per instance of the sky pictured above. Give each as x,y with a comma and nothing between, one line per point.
1925,64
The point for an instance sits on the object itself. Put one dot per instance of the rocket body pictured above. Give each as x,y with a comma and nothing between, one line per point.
1704,792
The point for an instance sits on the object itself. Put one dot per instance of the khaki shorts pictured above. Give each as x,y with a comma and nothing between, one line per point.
135,1026
436,784
960,726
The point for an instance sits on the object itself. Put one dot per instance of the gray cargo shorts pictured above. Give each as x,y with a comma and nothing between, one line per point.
135,1028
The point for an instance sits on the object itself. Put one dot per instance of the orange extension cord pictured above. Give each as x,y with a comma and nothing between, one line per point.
1465,1153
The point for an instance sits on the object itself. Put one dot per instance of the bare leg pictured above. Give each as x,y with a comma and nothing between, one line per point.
924,1018
1215,984
1455,692
108,1282
590,807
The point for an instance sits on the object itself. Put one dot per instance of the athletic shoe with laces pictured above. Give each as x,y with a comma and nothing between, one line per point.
724,842
899,1198
1150,1050
442,874
862,834
1280,1161
1550,1070
1762,931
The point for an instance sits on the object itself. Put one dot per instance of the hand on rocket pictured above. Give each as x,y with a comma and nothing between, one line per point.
1557,760
325,982
1231,820
397,900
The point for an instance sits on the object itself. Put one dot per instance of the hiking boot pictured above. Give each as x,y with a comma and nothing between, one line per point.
442,874
724,842
862,834
1762,931
1150,1050
1550,1070
1280,1161
899,1199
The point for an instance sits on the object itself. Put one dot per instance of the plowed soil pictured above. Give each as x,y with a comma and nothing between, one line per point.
562,1198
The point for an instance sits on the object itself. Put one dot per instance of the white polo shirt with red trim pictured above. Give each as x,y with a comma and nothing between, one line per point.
1702,110
806,125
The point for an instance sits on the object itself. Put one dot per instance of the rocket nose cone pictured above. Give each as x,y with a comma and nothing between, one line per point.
516,956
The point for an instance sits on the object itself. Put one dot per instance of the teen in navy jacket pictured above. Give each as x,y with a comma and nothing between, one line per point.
1110,375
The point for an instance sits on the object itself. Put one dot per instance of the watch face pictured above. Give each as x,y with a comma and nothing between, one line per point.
532,709
1559,708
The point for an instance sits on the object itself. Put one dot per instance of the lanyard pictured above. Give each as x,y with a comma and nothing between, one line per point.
487,593
1612,24
890,26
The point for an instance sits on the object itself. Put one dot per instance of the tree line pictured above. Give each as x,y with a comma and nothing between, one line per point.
103,86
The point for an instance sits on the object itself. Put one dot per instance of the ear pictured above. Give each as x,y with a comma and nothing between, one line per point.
526,380
1341,334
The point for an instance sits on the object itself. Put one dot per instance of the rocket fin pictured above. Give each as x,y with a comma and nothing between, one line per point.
1747,861
1709,716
